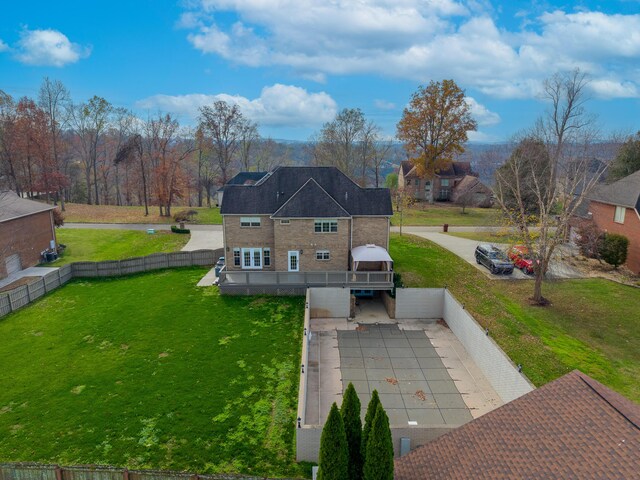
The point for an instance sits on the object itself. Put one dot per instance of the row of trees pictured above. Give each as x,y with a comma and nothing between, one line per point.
350,452
93,152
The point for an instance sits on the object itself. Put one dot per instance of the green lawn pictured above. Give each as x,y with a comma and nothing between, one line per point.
150,371
93,245
80,213
489,237
592,324
433,215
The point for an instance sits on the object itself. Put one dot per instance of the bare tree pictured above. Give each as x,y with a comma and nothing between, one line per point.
339,142
249,137
558,185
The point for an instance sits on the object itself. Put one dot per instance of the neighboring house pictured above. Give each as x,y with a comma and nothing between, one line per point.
26,229
471,192
305,219
440,188
242,178
615,208
573,427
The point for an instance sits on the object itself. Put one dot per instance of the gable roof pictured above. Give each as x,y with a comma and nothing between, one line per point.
573,427
311,200
469,182
625,192
12,206
244,178
269,194
454,169
406,166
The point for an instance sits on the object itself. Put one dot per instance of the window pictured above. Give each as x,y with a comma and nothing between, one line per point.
284,222
619,215
251,258
266,253
236,257
444,182
249,221
326,226
408,181
322,255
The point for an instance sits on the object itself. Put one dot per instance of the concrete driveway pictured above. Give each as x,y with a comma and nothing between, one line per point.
204,240
465,249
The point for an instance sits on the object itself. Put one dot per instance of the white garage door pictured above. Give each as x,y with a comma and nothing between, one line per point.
13,264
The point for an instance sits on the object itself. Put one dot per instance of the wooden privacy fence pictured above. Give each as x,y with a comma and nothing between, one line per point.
21,296
34,471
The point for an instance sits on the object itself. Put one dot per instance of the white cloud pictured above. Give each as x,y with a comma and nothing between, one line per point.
482,114
421,40
278,105
3,46
48,47
384,104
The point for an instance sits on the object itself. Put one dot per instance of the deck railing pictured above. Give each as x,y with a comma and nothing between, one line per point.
357,280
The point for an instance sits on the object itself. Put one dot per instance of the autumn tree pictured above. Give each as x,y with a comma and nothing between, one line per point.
225,125
434,126
559,175
627,160
131,152
8,148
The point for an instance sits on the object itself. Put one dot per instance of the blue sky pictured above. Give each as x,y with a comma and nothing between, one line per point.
292,64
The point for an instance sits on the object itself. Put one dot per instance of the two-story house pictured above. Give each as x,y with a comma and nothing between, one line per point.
439,188
305,220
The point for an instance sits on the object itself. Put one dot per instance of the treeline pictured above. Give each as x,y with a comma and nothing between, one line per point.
93,152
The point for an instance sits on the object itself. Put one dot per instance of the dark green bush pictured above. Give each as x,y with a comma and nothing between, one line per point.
368,421
378,464
185,215
175,229
334,453
350,411
613,249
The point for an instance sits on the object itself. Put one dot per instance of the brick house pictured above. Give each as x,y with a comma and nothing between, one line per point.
615,208
305,219
573,427
440,188
26,229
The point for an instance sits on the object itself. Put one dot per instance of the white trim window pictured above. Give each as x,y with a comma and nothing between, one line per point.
323,255
618,217
266,257
325,226
285,221
249,221
252,258
236,257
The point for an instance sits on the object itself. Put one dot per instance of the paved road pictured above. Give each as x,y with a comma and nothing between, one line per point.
465,249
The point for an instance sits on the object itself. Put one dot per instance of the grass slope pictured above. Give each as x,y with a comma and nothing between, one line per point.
433,215
150,371
80,213
592,324
93,245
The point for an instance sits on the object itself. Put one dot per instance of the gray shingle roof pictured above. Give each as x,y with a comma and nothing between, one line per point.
275,189
12,206
244,178
311,201
625,192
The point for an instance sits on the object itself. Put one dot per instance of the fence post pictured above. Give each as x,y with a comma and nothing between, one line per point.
59,277
58,471
28,294
125,474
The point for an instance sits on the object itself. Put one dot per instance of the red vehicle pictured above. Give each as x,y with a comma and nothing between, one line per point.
519,255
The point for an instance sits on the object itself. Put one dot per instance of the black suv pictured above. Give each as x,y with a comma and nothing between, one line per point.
494,259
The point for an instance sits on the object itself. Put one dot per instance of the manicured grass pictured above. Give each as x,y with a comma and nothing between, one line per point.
150,371
432,215
488,237
80,213
93,245
592,324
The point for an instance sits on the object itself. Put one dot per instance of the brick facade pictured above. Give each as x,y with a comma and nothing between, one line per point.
603,215
26,236
299,235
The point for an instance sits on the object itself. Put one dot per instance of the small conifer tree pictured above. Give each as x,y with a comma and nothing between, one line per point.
334,455
368,420
378,464
350,411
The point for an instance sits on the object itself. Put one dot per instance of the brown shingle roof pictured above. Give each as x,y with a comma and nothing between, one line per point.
573,427
625,192
12,206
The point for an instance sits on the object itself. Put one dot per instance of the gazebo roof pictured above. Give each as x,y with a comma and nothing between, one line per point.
370,253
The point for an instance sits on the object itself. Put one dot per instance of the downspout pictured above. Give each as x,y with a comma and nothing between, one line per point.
224,244
350,239
53,232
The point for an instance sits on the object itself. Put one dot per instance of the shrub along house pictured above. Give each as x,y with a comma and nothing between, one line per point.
305,226
26,229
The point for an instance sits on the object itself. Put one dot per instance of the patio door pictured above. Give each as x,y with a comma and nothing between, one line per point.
294,261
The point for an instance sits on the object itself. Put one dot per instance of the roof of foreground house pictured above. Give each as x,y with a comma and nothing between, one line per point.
573,427
454,169
244,178
306,192
625,192
12,206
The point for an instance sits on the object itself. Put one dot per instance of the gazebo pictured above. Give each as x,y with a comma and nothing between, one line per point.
372,258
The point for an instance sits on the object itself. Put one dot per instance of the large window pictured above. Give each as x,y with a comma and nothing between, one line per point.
249,221
236,257
326,226
323,255
251,258
444,182
619,215
266,254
